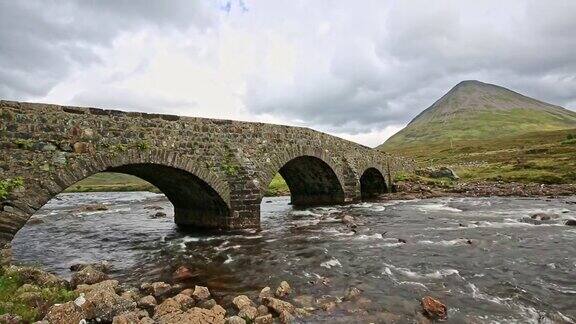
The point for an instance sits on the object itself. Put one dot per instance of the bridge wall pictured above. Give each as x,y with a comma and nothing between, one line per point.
215,172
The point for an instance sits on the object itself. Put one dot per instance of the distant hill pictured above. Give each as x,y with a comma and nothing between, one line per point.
474,110
487,132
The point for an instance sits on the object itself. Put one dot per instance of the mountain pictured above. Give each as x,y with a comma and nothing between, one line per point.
474,110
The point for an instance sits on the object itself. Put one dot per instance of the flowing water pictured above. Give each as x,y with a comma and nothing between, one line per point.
477,255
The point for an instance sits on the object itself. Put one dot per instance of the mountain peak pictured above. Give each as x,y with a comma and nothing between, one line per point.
471,96
475,110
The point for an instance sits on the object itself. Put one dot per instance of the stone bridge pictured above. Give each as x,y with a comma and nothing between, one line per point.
214,172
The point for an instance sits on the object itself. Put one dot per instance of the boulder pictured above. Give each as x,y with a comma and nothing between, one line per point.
207,304
544,216
147,302
265,292
65,313
182,274
131,295
200,293
157,289
103,266
158,215
132,317
442,172
241,302
283,290
264,319
286,317
571,222
235,320
88,276
263,310
248,312
111,285
103,305
348,220
433,308
185,301
167,307
277,305
188,292
93,207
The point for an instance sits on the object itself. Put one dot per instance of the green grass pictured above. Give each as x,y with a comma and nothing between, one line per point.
8,185
278,187
547,156
109,182
12,304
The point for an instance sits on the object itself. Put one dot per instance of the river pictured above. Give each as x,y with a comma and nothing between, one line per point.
478,255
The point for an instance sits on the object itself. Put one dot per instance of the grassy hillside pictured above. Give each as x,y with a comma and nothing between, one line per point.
540,156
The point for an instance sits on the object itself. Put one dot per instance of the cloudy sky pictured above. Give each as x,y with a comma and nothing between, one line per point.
356,69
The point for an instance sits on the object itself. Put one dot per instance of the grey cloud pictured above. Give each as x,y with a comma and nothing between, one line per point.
526,46
42,41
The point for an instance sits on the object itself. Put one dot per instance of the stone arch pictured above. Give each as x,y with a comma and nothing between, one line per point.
313,176
199,196
372,183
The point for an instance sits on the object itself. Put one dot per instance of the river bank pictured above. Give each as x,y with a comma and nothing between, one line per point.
407,190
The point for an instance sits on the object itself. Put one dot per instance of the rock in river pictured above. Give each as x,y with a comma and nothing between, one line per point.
433,308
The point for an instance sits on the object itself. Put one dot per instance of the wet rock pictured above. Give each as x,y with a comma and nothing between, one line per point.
433,308
544,216
185,301
352,293
304,301
208,304
283,290
348,220
88,275
265,292
531,221
153,207
10,319
157,289
182,274
571,222
328,306
158,215
147,302
248,312
263,310
200,293
241,302
235,320
402,240
65,313
277,305
93,207
264,319
103,266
